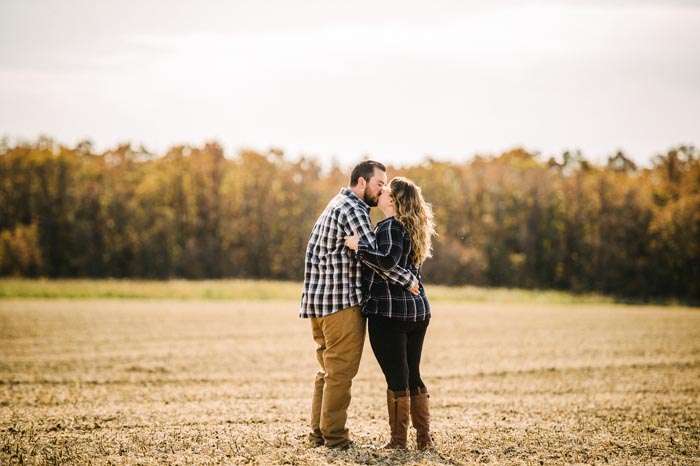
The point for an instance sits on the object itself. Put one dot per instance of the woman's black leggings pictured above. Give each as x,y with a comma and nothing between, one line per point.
398,345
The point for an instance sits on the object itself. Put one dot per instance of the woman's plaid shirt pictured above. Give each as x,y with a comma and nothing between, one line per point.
385,298
333,275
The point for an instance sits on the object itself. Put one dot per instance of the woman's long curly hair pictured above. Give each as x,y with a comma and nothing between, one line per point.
416,215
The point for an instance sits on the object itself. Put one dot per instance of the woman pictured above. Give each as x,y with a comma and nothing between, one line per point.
398,320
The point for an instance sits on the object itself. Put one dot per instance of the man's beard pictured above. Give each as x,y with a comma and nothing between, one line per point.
370,201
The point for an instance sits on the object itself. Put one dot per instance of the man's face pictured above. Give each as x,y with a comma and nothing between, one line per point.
373,187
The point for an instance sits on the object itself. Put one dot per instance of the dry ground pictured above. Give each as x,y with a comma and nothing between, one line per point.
171,382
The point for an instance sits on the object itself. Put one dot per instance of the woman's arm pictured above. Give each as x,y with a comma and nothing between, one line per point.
387,254
385,257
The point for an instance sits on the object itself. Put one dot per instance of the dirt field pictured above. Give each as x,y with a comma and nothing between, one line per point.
202,382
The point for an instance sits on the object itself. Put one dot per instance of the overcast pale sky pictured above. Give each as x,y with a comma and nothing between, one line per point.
395,80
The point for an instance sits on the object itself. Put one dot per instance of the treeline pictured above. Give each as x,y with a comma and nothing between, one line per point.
512,220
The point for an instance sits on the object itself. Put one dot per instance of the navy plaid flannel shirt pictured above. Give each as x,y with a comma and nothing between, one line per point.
385,298
333,275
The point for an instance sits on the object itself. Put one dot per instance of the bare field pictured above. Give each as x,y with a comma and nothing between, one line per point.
216,382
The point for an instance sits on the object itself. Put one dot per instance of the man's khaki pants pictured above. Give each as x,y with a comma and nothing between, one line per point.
339,340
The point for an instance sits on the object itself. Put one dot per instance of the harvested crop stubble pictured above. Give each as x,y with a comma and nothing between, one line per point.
203,382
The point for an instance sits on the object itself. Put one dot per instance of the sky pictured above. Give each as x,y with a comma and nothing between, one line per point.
397,81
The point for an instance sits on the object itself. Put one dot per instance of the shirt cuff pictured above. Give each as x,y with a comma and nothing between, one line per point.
362,248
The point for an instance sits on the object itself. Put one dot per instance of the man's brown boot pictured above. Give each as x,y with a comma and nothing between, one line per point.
399,406
420,416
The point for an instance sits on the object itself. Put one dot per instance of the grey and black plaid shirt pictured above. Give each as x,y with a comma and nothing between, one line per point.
333,275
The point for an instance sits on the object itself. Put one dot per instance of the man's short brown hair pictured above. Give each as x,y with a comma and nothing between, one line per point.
365,170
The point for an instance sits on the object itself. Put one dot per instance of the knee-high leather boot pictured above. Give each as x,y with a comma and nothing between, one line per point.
399,407
420,416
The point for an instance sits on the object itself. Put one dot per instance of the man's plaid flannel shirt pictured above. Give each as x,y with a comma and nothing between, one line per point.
333,275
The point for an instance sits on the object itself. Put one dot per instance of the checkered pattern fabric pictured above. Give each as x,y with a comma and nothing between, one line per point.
385,298
333,275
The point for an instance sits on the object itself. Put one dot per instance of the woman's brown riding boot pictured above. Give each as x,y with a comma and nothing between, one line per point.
420,415
399,406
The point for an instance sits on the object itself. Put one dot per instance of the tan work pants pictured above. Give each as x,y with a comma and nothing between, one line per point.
339,340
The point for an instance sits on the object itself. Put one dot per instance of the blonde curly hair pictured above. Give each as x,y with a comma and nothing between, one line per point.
415,215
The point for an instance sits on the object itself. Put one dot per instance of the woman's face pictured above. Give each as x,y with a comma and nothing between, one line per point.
385,199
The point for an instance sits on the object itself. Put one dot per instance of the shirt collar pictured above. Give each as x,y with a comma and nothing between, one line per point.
348,192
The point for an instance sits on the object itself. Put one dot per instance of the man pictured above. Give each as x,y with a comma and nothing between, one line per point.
332,296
